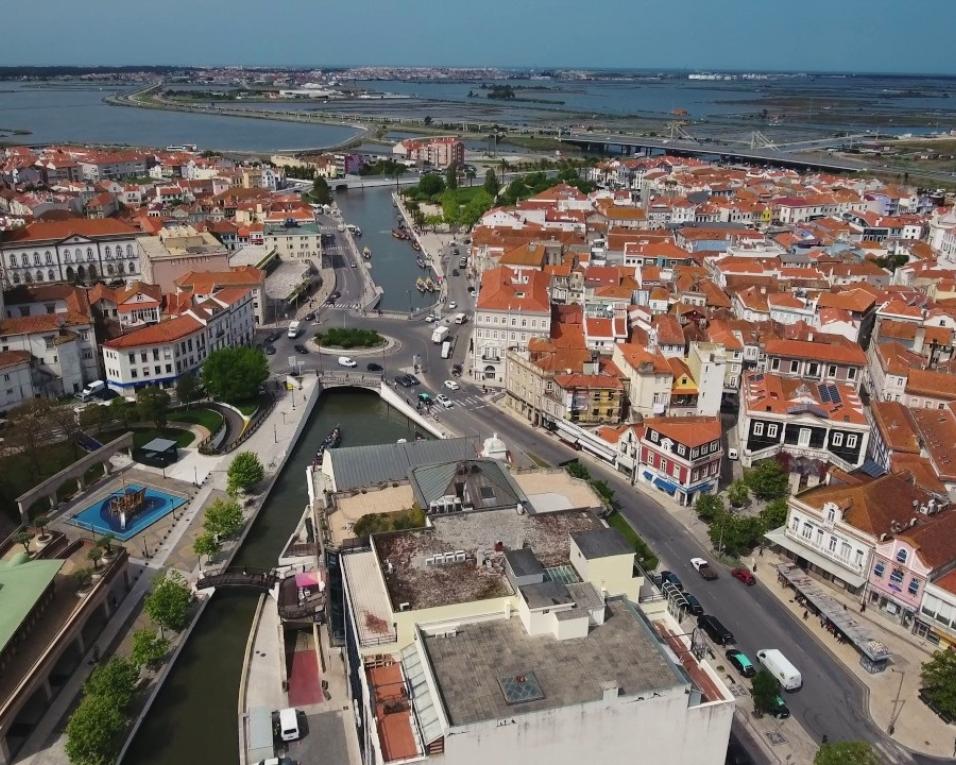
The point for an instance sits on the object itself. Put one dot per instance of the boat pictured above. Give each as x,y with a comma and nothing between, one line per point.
331,440
421,263
429,285
366,253
416,246
420,284
353,229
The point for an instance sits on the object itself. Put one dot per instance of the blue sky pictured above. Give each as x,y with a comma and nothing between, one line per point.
844,35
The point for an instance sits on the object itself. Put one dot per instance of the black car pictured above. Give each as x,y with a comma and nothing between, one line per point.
715,629
413,381
694,608
310,316
456,370
299,348
779,709
669,577
269,350
373,367
454,272
741,662
404,380
273,336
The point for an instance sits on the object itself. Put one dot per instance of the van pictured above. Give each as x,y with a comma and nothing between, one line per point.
294,329
780,667
460,318
94,388
288,724
715,630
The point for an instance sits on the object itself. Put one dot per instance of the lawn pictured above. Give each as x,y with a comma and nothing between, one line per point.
645,556
142,436
344,337
248,408
209,419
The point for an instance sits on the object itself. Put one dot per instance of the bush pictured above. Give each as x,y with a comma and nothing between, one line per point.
764,688
738,494
377,523
341,337
577,470
708,507
939,681
768,480
846,753
774,515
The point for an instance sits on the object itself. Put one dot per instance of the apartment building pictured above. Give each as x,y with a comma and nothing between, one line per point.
70,250
295,241
830,360
680,456
202,285
440,151
132,306
179,250
511,309
158,354
16,379
649,379
62,346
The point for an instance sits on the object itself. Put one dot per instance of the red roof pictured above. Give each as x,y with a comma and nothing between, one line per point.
504,290
63,229
165,332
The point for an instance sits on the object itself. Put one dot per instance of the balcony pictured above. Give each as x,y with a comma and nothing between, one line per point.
824,552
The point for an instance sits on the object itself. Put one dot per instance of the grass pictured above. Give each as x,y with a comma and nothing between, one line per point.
248,408
208,418
645,555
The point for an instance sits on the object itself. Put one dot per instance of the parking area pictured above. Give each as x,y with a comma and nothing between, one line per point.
323,742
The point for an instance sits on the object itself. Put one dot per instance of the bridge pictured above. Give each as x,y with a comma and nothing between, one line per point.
240,578
369,380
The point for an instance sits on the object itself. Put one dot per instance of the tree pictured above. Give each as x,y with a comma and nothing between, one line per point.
939,681
427,120
96,417
708,507
738,494
471,174
321,194
187,388
105,542
223,518
245,471
774,515
768,480
66,425
122,411
93,732
235,374
430,185
491,184
93,555
23,538
206,544
168,602
846,753
149,649
451,177
114,680
152,404
735,534
31,430
764,688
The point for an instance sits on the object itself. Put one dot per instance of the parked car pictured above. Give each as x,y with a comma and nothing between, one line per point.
373,367
780,667
694,608
347,361
430,318
403,380
715,629
310,316
269,350
741,662
669,577
745,575
779,709
452,305
703,568
446,402
454,272
299,348
413,381
451,385
456,370
425,398
273,336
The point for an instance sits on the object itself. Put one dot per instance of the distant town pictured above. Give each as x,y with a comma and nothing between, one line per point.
426,447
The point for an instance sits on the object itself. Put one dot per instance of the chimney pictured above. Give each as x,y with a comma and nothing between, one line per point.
610,690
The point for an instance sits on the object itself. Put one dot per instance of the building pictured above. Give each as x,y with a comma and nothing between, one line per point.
16,379
807,426
70,250
132,306
294,241
441,151
62,347
839,362
649,379
936,619
158,354
511,309
680,456
202,285
178,251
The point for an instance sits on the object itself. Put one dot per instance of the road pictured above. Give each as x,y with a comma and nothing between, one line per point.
832,702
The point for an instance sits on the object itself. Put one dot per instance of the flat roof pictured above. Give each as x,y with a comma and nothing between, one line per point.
360,467
159,445
474,571
474,667
523,562
21,585
602,543
550,490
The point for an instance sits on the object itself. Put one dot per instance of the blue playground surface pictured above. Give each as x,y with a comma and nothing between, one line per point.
97,517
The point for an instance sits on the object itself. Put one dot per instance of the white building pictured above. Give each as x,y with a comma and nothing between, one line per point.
708,363
294,240
62,346
16,379
75,249
158,354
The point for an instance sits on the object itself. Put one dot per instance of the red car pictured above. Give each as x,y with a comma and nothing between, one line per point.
745,575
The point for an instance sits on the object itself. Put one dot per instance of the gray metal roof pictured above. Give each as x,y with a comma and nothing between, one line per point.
357,467
601,543
486,484
159,445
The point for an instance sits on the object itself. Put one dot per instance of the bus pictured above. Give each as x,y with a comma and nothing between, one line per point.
446,349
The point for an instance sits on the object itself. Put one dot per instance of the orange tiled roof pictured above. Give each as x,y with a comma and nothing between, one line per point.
503,290
165,332
690,431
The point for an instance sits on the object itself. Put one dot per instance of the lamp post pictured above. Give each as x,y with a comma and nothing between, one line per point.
275,434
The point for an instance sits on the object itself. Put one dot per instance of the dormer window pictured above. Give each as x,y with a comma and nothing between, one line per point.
901,556
831,515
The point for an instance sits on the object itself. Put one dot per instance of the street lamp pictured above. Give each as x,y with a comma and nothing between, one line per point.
275,434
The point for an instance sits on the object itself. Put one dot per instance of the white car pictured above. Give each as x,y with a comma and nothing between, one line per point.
347,361
697,563
429,319
446,402
451,385
452,305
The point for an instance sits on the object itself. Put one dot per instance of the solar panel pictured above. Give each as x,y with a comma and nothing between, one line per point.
520,688
835,394
824,392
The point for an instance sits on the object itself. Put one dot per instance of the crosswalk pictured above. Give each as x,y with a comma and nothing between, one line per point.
469,402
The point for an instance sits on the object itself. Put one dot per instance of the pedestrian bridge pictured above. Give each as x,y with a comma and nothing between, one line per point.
369,380
245,578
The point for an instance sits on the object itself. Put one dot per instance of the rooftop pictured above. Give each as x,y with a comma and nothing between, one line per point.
493,670
360,467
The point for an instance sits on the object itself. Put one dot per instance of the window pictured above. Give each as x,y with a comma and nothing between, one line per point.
831,545
813,369
879,569
831,370
851,441
133,373
896,577
913,586
775,364
804,438
819,541
758,428
851,373
831,515
132,358
901,556
681,450
836,439
845,551
169,368
772,430
795,523
48,258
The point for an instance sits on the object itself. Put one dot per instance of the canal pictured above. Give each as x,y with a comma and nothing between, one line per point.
393,260
194,716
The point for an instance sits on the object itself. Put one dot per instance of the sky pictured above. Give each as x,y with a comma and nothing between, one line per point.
802,35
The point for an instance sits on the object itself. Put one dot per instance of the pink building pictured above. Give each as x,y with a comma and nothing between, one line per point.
442,151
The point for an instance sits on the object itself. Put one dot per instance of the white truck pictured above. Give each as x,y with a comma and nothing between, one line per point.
460,318
439,334
780,667
446,349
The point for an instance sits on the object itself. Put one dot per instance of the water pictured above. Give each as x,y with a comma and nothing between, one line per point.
78,114
194,717
393,260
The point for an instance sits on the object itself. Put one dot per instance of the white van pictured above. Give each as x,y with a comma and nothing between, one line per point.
460,318
294,329
288,724
94,388
780,667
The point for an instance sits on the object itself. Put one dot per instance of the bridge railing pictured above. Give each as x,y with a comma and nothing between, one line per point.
366,379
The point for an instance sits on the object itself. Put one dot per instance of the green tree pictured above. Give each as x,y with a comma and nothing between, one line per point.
708,507
321,194
93,733
846,753
764,688
245,471
152,404
114,680
768,480
149,649
427,120
121,411
105,543
168,602
235,374
187,388
734,534
738,494
206,544
939,680
451,177
491,184
97,417
223,518
430,185
774,515
23,538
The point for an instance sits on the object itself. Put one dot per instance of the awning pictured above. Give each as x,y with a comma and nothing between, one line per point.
779,537
306,579
667,486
